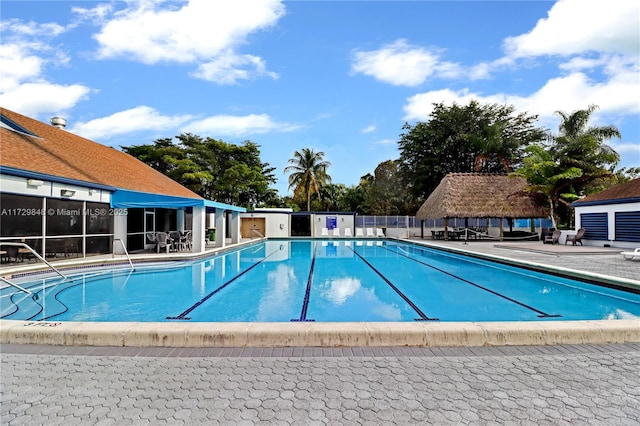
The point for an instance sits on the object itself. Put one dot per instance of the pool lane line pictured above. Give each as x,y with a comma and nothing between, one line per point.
183,315
540,313
305,303
423,317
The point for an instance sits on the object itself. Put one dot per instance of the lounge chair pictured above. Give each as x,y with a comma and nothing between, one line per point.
324,232
553,238
628,255
575,239
379,233
347,232
336,232
370,232
359,232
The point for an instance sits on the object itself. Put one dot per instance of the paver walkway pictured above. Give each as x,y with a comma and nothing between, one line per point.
559,385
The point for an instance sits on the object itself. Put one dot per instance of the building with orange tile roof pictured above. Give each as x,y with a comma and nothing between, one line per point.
63,192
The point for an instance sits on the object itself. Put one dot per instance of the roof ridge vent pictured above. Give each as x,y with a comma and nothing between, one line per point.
59,122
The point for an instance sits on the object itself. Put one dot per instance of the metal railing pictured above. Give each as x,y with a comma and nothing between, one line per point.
35,253
113,254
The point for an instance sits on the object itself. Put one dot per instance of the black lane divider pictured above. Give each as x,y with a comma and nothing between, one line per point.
423,317
305,303
541,313
183,316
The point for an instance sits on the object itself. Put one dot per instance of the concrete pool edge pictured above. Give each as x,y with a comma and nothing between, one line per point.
418,334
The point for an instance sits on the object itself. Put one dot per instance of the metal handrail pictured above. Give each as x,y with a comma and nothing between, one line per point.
113,254
35,253
15,285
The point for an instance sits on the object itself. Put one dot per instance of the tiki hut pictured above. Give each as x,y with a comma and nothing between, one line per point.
478,195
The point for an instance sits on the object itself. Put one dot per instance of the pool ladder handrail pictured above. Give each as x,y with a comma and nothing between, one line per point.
113,252
35,253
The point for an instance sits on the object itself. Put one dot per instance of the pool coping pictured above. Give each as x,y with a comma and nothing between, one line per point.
334,334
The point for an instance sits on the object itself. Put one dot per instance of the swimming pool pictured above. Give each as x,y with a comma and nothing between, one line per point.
320,281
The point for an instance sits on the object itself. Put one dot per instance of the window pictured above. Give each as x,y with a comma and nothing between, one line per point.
99,220
21,216
7,123
64,217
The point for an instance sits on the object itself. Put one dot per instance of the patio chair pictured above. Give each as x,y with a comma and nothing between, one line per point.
380,233
370,232
553,238
359,232
163,241
324,232
336,232
575,239
347,232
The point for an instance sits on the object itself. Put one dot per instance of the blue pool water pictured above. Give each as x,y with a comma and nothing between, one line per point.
316,280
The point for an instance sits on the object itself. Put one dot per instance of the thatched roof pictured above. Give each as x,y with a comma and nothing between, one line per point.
480,195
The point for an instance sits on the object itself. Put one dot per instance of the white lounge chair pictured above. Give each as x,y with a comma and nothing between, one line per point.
347,232
359,232
324,232
370,232
336,232
631,254
379,233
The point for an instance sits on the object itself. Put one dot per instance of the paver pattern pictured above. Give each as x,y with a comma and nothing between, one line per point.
551,385
588,385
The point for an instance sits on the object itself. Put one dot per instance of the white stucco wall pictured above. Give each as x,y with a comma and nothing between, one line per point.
277,223
319,221
43,188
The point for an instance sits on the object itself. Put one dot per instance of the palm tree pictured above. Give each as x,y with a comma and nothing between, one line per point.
575,158
579,145
309,172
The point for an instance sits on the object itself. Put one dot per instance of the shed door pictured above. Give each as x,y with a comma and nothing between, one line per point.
628,226
596,226
253,227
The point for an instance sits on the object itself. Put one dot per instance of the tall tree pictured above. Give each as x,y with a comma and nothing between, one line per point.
308,172
386,194
462,139
577,157
213,169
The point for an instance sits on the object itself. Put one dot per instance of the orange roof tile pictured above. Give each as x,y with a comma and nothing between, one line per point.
60,153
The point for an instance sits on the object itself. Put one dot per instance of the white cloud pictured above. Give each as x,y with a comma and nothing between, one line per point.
230,125
229,68
17,65
579,26
137,119
36,98
369,129
401,64
567,93
201,31
15,28
25,53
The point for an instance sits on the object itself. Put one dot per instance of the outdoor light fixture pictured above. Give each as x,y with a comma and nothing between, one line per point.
34,182
67,193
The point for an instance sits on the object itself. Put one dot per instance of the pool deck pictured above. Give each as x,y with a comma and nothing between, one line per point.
606,265
548,384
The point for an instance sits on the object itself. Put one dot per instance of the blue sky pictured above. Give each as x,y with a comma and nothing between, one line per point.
340,77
